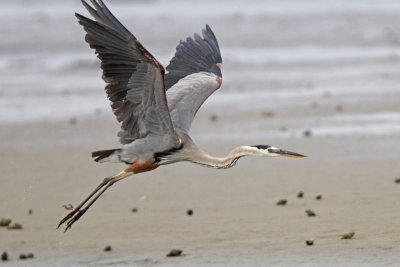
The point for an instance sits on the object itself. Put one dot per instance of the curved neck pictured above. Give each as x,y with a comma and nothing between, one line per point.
227,162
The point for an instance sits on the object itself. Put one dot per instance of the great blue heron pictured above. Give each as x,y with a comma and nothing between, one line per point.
156,108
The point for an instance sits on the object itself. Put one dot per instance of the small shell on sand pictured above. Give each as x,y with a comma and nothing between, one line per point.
143,198
174,253
349,235
281,202
397,180
319,196
310,213
134,209
300,194
310,242
5,222
15,226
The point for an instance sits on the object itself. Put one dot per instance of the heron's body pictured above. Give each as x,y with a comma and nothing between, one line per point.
155,107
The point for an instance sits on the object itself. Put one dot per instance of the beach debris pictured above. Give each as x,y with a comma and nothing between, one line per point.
68,207
4,256
15,226
300,194
307,133
397,180
319,196
189,212
134,209
5,222
213,117
281,202
310,213
310,242
349,235
108,248
339,108
267,114
174,253
22,256
143,198
30,211
30,255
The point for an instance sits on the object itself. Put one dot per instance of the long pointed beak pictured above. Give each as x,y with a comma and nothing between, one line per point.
284,153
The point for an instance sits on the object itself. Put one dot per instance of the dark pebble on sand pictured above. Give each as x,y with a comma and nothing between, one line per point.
108,248
189,212
307,133
319,196
348,235
30,255
213,117
73,121
267,114
397,180
281,202
15,226
310,213
339,108
300,195
22,256
310,242
4,256
30,211
5,222
174,253
134,209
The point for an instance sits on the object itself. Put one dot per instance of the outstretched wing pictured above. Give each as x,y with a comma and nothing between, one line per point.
193,56
194,73
135,79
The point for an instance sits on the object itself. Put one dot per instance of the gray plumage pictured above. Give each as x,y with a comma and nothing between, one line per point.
151,120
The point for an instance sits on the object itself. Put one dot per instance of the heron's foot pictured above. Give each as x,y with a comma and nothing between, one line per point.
66,218
78,214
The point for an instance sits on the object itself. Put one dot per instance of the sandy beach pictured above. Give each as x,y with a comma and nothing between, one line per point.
329,69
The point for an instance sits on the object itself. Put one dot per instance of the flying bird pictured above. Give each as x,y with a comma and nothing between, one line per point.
155,106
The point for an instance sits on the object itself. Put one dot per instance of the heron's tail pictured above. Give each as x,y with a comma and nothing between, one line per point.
103,154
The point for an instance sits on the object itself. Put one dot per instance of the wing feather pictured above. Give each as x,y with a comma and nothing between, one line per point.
135,79
192,77
197,54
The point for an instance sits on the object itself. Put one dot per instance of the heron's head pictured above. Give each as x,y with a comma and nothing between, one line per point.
270,151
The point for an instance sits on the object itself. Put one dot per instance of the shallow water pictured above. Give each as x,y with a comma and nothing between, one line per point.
340,59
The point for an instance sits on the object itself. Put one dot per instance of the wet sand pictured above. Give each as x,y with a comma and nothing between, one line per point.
236,220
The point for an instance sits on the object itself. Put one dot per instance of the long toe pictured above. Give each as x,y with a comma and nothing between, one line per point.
74,219
69,215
